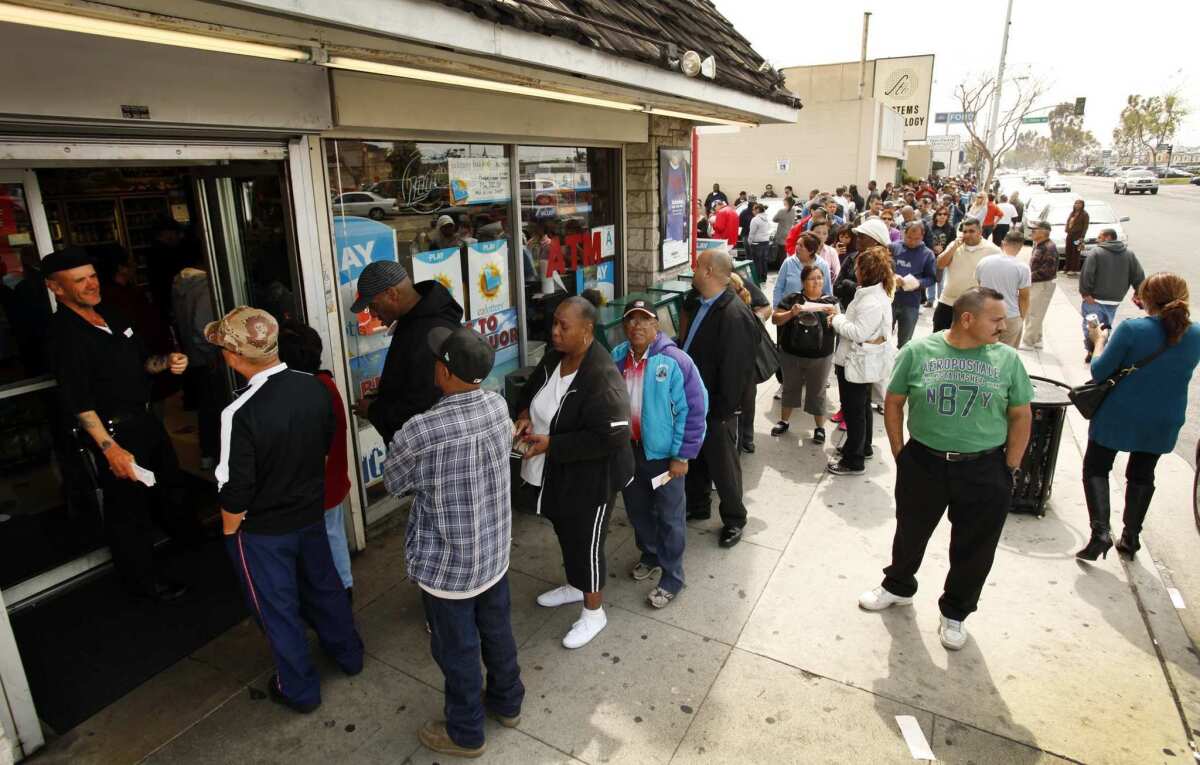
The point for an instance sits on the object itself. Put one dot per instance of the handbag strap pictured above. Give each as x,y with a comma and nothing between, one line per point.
1121,374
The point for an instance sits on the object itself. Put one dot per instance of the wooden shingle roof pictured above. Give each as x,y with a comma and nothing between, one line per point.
643,30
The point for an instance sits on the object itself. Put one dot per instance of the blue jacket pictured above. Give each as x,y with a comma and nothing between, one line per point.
1145,412
921,263
674,400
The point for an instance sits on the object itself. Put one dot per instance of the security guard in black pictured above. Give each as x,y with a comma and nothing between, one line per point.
103,372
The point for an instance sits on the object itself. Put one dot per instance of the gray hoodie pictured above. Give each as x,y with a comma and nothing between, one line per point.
1109,270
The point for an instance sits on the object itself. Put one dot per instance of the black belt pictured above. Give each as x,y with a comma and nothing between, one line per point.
959,456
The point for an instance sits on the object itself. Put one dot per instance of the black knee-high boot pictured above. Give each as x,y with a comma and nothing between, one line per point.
1095,492
1137,502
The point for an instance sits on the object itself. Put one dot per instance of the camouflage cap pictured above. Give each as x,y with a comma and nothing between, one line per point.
246,331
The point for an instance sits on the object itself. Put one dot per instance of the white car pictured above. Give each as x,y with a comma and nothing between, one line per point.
1035,176
364,203
1035,204
1139,180
1056,183
1100,216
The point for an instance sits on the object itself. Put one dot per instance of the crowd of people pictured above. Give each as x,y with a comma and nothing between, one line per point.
661,421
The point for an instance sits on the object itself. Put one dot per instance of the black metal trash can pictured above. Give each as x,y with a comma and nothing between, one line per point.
1049,407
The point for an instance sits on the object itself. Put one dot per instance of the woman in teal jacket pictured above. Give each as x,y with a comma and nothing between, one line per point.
1144,413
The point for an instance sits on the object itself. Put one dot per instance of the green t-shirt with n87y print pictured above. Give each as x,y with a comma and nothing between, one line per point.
958,400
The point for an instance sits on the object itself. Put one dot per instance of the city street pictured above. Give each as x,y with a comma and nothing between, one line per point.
1158,234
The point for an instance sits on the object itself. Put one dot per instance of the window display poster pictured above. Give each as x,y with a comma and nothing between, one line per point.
487,272
357,242
601,276
372,451
478,180
500,330
443,266
675,204
608,240
365,371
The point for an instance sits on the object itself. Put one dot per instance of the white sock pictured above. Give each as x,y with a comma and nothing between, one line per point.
590,614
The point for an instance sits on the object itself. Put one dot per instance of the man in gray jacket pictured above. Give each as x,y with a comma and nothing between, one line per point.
1109,270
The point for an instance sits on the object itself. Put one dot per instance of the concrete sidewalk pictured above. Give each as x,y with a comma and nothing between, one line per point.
765,657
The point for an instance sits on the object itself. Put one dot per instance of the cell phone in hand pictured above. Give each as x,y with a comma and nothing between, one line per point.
520,447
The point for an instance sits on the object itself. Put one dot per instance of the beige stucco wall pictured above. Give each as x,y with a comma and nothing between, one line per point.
834,143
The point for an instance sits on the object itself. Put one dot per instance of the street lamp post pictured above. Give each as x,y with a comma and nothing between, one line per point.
991,137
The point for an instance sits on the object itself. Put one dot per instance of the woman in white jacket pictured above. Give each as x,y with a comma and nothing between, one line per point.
863,355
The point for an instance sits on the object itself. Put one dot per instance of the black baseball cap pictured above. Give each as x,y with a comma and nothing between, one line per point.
65,260
638,306
378,276
464,352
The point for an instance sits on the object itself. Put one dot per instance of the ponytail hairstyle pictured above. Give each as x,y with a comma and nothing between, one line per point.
1166,295
739,289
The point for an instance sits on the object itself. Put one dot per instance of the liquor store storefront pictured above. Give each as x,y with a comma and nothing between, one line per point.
274,193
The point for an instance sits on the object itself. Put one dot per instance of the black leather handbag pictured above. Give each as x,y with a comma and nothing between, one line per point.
1088,397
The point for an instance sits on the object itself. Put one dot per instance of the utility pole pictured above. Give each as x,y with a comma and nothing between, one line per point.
991,136
862,61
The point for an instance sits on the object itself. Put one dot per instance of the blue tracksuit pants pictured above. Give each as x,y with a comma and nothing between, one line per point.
289,579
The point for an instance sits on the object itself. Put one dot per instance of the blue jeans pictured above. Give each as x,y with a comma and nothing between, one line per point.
659,519
934,291
460,632
1106,313
335,529
905,318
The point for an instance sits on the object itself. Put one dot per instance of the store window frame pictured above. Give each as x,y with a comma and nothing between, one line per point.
383,508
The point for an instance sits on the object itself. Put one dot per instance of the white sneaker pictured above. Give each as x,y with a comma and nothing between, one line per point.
879,599
560,596
953,634
589,626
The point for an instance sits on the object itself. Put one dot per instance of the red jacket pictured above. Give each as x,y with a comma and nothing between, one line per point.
794,235
337,477
727,226
993,214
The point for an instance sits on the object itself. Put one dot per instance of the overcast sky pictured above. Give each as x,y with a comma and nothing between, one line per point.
1079,48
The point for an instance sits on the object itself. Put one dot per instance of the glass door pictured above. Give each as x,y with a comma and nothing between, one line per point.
34,451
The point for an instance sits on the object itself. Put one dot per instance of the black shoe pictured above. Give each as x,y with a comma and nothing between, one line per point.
780,428
1097,547
278,697
699,515
162,591
1137,502
747,447
1095,494
837,468
819,436
730,536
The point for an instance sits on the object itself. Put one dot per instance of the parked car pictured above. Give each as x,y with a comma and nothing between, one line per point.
364,203
1140,181
1094,170
1195,181
1056,183
1100,216
1035,176
1172,172
1035,203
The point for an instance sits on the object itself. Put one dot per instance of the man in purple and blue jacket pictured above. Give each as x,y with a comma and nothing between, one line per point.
668,407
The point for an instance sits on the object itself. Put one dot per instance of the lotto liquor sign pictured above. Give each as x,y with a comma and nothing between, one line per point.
904,85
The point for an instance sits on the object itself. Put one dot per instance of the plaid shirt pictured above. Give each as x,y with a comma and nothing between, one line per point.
454,459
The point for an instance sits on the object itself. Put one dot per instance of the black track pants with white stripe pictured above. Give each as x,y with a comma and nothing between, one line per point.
581,535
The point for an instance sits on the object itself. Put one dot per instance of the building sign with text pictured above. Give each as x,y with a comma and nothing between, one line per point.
904,85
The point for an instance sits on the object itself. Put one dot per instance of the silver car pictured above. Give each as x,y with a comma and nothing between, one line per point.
364,203
1138,180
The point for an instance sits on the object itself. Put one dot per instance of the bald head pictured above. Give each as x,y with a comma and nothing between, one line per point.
713,268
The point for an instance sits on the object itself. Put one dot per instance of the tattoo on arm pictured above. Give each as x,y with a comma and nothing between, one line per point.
90,422
156,364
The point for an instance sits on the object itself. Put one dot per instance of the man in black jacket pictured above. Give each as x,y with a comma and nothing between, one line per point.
573,428
406,387
721,337
275,437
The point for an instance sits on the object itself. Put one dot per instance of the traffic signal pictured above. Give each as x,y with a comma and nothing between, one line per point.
1079,104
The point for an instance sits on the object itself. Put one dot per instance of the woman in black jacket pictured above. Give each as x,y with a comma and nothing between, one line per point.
573,427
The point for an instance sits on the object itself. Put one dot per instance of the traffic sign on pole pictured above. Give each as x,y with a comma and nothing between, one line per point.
1035,120
1079,104
953,117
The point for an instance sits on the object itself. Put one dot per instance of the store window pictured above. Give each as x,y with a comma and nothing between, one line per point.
568,226
443,210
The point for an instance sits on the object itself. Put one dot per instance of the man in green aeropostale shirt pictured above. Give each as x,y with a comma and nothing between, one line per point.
969,420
